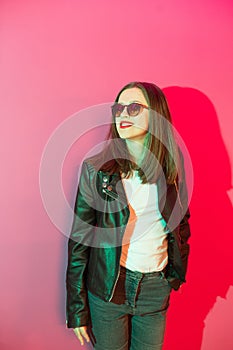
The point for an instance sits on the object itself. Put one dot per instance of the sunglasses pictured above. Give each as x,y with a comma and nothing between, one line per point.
133,109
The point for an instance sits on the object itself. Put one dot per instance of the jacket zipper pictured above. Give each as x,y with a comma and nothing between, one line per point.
111,194
114,287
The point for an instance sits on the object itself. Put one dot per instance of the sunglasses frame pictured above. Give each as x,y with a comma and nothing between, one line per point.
142,106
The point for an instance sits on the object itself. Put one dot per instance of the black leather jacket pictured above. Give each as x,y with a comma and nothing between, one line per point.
94,246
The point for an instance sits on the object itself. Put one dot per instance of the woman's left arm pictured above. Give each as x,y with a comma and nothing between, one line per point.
184,227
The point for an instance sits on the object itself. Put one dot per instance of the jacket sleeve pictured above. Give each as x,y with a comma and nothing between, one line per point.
79,246
184,227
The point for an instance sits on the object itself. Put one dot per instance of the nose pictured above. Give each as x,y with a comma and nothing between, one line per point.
124,113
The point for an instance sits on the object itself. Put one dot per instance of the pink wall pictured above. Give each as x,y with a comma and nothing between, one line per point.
58,57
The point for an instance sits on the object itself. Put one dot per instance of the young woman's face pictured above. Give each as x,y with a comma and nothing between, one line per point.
133,127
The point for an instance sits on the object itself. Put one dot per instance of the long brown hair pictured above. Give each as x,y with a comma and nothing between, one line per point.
163,152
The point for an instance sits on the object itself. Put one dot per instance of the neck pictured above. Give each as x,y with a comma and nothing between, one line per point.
136,149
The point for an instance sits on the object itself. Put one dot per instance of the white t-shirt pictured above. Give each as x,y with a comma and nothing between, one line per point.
144,246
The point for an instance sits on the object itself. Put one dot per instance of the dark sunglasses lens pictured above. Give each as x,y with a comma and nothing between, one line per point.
117,109
134,109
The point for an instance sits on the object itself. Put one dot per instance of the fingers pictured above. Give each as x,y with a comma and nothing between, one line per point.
81,334
85,334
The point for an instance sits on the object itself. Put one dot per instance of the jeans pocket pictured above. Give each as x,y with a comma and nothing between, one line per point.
164,280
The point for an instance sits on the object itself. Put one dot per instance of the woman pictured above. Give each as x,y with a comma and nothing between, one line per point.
128,246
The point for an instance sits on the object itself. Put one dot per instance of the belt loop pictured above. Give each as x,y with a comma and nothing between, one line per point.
162,274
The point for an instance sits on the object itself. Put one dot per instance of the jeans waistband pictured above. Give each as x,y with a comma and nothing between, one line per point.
139,274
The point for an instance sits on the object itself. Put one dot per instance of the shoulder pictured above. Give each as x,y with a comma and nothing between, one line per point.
101,162
94,162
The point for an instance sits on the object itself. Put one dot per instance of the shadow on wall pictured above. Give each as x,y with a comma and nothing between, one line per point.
210,267
218,325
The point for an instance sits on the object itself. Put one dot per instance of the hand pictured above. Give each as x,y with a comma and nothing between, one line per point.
81,332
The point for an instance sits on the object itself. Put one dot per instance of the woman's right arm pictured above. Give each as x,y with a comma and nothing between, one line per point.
79,246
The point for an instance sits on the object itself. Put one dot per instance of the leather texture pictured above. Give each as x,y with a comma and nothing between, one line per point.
101,214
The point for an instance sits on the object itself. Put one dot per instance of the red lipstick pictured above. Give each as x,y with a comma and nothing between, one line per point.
125,124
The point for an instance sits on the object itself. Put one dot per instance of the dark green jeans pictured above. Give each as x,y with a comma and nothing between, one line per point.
136,316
